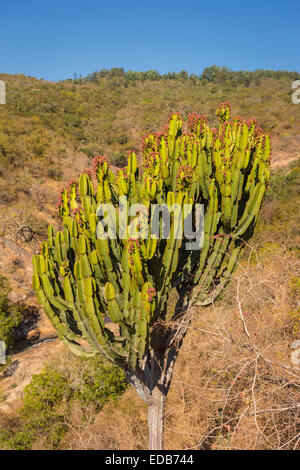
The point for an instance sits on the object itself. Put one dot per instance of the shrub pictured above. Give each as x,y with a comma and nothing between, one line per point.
100,382
50,396
10,314
45,391
118,159
91,151
71,120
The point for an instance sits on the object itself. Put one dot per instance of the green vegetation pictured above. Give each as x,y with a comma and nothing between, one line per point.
99,382
11,314
280,218
51,396
47,130
213,74
226,170
44,123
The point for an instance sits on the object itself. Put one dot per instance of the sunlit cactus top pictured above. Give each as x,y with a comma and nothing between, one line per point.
84,278
160,157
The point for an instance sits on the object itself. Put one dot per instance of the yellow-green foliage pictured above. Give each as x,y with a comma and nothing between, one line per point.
10,314
280,216
225,169
43,120
51,395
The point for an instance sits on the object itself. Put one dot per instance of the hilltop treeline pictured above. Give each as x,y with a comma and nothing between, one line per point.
213,74
44,123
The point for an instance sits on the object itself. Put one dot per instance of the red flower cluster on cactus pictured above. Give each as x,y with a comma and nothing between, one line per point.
232,125
78,216
151,142
196,123
238,120
133,244
262,139
224,111
59,204
88,172
252,122
97,162
150,149
158,135
184,177
178,115
72,185
258,131
151,293
225,128
149,160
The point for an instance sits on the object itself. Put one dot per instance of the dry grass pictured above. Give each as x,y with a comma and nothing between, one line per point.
234,386
121,425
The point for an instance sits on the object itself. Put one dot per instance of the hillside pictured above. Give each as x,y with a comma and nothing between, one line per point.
229,395
50,131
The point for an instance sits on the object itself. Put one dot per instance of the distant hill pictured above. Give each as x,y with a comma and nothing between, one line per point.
213,74
49,131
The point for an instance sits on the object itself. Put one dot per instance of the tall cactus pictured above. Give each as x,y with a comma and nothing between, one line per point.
86,279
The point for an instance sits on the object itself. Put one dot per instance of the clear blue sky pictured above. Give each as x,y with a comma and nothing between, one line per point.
54,39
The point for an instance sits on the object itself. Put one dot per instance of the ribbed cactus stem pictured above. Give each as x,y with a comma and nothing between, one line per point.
87,279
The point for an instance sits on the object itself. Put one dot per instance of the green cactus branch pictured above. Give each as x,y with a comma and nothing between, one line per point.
85,278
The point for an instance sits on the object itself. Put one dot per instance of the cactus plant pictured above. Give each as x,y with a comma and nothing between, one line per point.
86,279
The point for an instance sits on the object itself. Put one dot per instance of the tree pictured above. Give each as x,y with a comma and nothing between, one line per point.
87,273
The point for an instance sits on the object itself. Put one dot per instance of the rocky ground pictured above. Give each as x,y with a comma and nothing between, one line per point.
36,338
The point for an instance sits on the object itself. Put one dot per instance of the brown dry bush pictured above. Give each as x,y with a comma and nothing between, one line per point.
235,385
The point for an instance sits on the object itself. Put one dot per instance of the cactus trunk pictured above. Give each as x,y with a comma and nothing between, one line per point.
85,275
156,420
152,386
